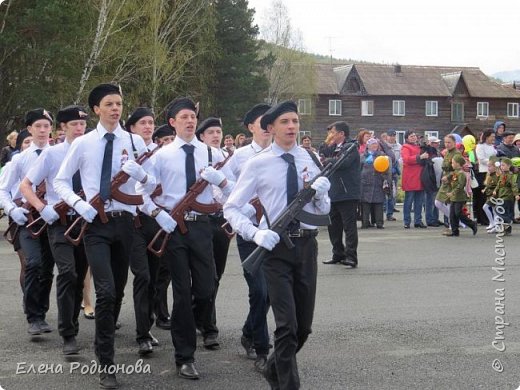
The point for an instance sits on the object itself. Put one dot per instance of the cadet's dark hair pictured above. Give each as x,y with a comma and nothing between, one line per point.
341,126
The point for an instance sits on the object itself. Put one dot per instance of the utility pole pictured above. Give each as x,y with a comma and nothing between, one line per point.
330,38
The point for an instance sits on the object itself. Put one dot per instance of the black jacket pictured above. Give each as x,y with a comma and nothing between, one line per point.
508,151
345,183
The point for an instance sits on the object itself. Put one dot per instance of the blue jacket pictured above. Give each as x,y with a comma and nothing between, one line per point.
345,183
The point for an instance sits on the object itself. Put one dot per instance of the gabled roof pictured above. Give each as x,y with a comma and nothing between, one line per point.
326,82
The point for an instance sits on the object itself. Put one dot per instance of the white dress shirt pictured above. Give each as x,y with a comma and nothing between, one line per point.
168,166
46,168
266,176
86,154
484,152
20,165
240,157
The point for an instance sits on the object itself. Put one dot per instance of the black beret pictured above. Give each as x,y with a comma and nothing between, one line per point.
139,113
162,131
99,92
37,114
23,134
253,114
71,113
275,111
178,104
207,123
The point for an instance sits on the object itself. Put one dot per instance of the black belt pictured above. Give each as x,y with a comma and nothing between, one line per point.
196,218
299,233
118,214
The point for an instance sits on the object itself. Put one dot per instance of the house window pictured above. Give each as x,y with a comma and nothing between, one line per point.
367,108
432,108
398,108
431,133
512,110
304,106
457,112
400,136
335,107
482,109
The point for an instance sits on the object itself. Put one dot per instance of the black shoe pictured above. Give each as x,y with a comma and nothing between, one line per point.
380,226
349,263
153,340
45,327
70,346
396,211
407,226
434,224
474,228
452,234
391,219
188,371
419,225
331,261
248,346
163,324
108,381
145,347
260,363
34,328
211,342
508,230
89,316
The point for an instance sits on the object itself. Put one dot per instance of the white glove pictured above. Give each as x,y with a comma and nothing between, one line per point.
49,215
134,170
86,211
18,215
248,210
166,222
212,176
322,187
266,239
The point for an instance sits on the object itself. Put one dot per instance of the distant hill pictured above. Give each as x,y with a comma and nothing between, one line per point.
507,76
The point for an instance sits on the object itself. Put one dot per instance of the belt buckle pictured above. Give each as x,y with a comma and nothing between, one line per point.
296,234
116,214
190,217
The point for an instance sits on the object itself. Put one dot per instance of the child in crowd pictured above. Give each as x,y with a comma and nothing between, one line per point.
490,184
458,197
507,191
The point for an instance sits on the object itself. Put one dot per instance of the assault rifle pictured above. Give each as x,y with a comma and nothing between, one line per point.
115,193
186,204
294,211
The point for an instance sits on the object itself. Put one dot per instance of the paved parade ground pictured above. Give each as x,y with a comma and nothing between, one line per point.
420,312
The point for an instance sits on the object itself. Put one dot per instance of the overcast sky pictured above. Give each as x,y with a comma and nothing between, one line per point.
410,32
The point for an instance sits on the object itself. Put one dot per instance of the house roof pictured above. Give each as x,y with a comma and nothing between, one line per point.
411,80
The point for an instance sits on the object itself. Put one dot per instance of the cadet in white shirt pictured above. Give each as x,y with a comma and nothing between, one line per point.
190,256
70,260
39,261
99,155
290,273
255,333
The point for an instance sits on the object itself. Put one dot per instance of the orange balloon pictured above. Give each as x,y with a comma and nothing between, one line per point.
381,163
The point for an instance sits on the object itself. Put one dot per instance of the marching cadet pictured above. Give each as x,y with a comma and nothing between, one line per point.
98,156
70,260
210,132
39,261
190,255
290,273
143,264
255,334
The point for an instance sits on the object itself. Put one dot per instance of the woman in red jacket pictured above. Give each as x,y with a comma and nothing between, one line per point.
411,180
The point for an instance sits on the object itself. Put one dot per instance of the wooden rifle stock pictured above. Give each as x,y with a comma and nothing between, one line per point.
259,213
186,204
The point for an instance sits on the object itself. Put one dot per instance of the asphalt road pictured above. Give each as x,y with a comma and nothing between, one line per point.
418,313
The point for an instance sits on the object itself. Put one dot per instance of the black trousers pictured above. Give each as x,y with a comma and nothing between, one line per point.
457,215
375,210
190,258
38,274
145,267
220,252
108,254
291,281
343,217
71,262
479,199
161,310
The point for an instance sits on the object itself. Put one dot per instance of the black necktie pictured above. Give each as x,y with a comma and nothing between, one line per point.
190,165
76,182
292,177
106,168
38,151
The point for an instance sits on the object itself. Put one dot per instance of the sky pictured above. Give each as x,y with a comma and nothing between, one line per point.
477,33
